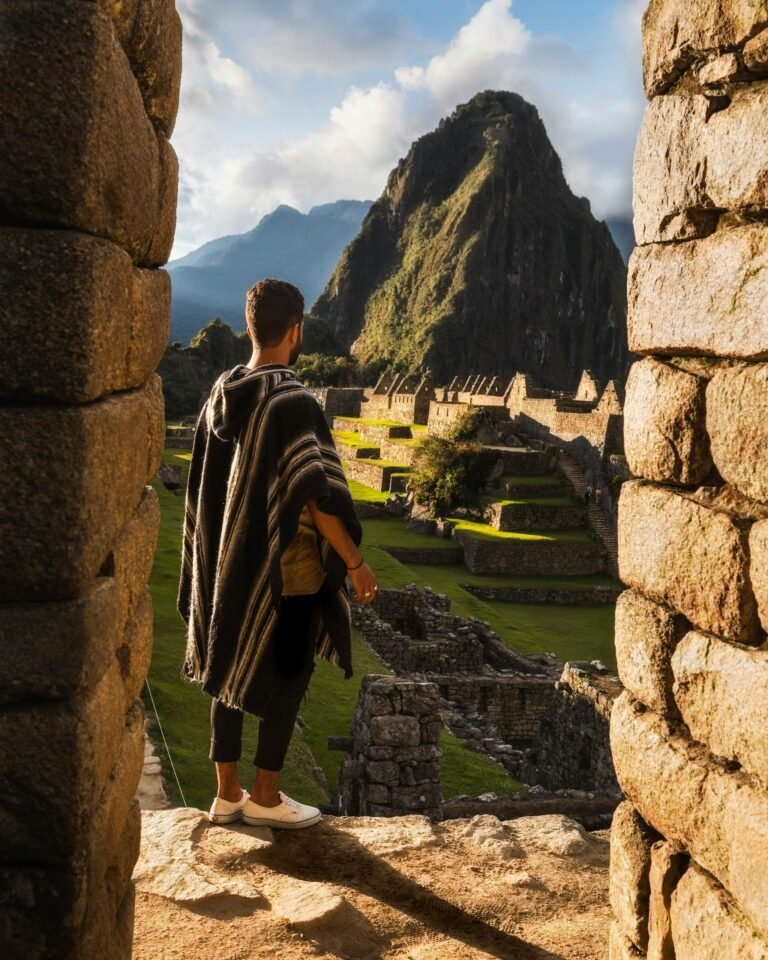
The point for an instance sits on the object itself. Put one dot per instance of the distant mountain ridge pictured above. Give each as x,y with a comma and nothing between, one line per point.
478,258
302,248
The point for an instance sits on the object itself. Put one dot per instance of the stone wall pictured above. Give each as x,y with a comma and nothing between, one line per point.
535,516
572,748
89,182
530,557
689,859
339,401
415,634
589,596
392,762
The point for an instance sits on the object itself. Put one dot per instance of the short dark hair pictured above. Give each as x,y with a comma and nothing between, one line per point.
271,306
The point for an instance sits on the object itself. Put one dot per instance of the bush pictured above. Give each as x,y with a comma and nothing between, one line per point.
448,471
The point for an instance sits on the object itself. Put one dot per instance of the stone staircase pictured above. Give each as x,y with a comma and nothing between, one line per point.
595,516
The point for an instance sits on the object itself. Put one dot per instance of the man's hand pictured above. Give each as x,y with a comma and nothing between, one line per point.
335,531
364,582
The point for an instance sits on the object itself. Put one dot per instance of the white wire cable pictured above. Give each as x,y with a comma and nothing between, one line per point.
157,715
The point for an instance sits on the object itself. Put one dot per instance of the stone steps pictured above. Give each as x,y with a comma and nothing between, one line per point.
595,516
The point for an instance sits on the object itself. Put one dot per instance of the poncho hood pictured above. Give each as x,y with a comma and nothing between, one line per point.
235,394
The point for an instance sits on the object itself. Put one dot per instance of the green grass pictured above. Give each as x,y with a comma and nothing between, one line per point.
462,770
486,531
372,421
362,493
404,467
393,532
536,501
351,439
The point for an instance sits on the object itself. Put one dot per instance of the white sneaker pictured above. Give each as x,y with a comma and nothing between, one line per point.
226,811
287,813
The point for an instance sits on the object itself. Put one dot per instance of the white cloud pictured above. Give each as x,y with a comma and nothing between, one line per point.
473,56
228,182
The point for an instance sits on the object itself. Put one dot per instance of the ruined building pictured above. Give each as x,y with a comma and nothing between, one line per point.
689,858
89,185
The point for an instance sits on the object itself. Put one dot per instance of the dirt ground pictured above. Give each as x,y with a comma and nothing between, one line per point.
369,887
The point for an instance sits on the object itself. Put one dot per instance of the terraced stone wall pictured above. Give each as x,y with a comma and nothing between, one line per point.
689,860
88,185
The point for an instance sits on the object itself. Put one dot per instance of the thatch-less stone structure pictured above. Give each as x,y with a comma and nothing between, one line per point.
88,197
689,847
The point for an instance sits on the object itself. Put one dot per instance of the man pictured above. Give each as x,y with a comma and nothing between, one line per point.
270,536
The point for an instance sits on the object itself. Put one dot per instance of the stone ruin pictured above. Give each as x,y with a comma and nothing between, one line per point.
458,671
392,762
689,847
587,423
89,185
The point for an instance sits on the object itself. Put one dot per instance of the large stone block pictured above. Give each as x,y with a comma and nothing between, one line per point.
53,650
110,841
46,908
133,553
646,634
154,51
722,693
756,53
737,404
702,297
45,816
41,909
718,814
690,557
668,864
399,730
621,947
677,33
79,149
135,652
100,925
629,890
691,164
706,923
758,567
73,477
78,319
665,437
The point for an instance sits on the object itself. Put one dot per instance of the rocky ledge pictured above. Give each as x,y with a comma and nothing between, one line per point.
396,888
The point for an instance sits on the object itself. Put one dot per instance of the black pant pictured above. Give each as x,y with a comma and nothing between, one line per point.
293,656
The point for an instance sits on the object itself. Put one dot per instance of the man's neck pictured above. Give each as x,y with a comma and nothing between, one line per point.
260,361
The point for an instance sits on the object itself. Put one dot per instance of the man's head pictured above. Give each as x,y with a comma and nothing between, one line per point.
274,311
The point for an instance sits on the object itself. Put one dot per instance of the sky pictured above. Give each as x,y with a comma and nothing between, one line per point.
309,101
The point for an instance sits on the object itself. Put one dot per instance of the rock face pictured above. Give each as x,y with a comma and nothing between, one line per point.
689,851
88,185
478,258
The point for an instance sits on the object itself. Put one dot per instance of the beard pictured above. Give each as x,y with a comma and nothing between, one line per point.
296,350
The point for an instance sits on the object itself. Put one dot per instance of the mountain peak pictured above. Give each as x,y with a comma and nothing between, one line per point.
478,258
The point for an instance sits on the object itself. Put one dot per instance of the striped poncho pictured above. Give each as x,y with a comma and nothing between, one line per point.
262,448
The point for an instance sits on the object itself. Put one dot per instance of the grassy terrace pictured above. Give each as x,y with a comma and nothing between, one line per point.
486,531
536,501
351,438
184,708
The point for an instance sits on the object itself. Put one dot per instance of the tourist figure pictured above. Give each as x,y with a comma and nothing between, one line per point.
270,536
588,494
598,495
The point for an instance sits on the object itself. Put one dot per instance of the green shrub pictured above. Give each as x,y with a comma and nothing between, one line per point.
448,471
